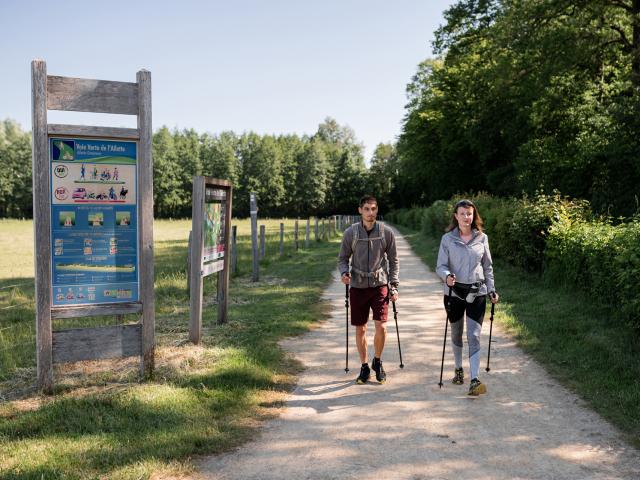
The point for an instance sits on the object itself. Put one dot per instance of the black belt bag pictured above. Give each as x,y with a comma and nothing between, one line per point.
467,291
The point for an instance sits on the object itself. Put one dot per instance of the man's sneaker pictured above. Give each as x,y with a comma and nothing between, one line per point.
458,377
365,373
477,387
381,376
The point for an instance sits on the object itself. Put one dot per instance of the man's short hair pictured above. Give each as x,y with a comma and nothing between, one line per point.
368,199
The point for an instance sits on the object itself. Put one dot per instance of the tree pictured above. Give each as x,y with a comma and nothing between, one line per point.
167,186
15,171
383,175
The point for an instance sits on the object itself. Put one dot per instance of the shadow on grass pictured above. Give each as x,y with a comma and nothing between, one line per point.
180,413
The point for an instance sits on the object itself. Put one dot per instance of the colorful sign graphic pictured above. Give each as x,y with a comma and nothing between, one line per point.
213,230
94,227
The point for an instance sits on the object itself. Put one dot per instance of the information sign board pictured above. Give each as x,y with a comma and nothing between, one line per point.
94,221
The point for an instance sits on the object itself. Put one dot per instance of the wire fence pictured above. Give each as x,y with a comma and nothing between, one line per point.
6,287
17,310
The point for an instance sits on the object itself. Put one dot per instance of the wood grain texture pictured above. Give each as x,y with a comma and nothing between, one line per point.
195,296
85,95
223,276
41,224
79,344
94,310
98,132
145,232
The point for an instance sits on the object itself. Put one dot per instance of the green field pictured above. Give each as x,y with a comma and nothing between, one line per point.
103,423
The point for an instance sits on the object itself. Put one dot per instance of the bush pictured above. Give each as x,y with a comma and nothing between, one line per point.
556,236
599,258
436,218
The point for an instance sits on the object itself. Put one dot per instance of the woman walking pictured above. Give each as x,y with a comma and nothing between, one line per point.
465,265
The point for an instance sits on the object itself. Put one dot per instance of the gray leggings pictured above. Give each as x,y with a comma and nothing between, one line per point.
474,317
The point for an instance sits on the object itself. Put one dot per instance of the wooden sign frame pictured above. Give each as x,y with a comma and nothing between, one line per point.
97,96
198,268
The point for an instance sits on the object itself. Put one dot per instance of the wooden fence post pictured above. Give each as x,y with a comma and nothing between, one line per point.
281,239
295,234
234,249
41,225
307,233
196,283
316,227
189,262
262,241
254,237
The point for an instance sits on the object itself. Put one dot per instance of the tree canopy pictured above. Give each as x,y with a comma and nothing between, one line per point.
525,96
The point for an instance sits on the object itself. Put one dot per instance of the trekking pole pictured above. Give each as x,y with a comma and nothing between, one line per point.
493,306
444,343
346,304
395,317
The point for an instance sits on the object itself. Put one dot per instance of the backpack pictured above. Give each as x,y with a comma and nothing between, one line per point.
385,262
356,234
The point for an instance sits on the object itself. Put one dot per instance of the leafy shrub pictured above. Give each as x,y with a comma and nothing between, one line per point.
599,258
436,217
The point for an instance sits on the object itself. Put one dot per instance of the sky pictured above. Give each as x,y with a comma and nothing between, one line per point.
272,67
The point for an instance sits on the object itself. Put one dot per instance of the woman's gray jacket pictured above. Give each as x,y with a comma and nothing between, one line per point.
469,262
374,262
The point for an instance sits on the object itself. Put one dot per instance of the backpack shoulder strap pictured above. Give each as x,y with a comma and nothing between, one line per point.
383,236
354,237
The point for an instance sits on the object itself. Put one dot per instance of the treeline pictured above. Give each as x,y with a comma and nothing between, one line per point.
527,96
291,175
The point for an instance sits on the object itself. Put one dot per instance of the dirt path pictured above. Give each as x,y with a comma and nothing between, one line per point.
526,427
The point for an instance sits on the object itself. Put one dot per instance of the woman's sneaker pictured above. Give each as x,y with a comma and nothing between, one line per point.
458,377
477,387
365,374
381,376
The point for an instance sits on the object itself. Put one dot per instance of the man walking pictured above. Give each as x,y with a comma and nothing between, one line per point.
373,278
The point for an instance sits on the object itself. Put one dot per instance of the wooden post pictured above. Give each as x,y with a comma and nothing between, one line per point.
262,241
208,256
323,236
189,263
41,225
197,218
223,275
295,234
97,96
145,168
281,239
234,249
254,236
316,227
306,238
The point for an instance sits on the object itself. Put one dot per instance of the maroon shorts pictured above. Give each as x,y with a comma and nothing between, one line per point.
363,299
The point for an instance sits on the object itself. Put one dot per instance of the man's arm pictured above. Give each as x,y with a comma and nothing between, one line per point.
392,258
345,252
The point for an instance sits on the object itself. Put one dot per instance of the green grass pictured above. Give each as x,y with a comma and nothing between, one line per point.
202,399
570,334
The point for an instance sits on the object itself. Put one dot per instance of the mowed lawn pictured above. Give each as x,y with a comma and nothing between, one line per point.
103,422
